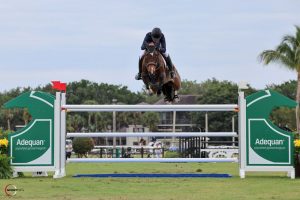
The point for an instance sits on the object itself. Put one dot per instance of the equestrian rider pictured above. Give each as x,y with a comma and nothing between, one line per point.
158,38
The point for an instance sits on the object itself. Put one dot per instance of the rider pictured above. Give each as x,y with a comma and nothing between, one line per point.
158,38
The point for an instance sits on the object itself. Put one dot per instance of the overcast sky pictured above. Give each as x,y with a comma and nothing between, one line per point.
70,40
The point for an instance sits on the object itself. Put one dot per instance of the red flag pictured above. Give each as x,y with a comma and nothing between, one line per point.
59,86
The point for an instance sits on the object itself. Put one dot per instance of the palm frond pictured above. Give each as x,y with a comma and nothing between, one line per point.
290,41
297,55
286,50
298,35
266,56
287,53
271,56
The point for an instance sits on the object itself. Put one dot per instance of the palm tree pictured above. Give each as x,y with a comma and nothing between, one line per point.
26,116
287,54
91,115
9,114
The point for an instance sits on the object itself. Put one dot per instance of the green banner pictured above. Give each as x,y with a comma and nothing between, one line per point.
267,144
33,145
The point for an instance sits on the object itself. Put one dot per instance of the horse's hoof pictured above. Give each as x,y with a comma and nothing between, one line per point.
167,101
176,99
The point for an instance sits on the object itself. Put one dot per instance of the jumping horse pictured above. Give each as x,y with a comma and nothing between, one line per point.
156,75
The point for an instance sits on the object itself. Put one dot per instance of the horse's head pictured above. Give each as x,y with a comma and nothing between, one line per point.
152,60
151,68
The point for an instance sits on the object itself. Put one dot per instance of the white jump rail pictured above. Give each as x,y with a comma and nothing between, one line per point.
142,108
154,134
165,160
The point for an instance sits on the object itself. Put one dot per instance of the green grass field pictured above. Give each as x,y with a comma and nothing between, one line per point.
255,186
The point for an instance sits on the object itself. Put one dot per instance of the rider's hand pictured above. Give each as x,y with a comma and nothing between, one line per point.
161,49
147,46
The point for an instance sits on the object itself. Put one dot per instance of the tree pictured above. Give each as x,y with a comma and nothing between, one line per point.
213,91
216,92
287,54
284,117
151,119
9,115
189,87
26,116
75,122
91,116
82,146
287,88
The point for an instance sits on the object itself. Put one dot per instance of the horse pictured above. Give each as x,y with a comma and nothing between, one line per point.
156,76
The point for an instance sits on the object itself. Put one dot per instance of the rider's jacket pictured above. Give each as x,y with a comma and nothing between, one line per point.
161,45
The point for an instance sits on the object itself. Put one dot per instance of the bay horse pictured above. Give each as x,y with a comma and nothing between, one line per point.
156,76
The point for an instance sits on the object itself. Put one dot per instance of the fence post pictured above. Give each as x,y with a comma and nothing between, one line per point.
142,152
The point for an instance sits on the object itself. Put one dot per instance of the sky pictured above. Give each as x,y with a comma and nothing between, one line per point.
70,40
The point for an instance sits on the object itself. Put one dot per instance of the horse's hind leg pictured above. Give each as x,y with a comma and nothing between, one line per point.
169,95
166,93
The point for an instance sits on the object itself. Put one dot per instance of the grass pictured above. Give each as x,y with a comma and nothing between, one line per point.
255,186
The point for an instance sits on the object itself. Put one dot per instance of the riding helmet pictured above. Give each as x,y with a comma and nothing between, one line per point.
156,33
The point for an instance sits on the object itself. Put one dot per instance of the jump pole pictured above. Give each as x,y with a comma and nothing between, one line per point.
142,108
164,160
154,134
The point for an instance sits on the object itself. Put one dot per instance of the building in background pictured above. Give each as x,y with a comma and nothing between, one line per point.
183,119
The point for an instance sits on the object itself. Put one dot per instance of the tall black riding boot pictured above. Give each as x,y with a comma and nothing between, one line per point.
139,75
170,66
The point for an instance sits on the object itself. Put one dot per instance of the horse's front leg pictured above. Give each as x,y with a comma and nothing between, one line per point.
146,81
162,77
160,83
176,98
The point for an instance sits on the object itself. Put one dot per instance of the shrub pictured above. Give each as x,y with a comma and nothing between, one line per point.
82,146
5,168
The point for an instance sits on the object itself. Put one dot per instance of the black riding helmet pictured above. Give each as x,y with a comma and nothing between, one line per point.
156,34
